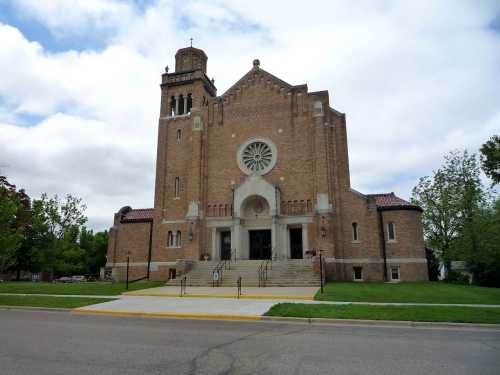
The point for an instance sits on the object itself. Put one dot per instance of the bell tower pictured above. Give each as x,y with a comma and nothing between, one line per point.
185,94
188,87
190,58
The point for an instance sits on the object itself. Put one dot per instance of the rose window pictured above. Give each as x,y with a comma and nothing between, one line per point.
257,156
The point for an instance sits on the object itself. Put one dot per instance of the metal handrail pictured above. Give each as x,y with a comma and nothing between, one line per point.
183,286
222,265
263,271
238,285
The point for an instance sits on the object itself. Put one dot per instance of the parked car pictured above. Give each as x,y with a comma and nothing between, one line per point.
64,279
78,278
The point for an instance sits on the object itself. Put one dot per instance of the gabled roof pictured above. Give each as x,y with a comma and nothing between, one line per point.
257,69
138,215
391,201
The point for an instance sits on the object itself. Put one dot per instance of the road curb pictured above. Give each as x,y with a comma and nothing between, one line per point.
262,318
388,323
145,314
247,296
34,308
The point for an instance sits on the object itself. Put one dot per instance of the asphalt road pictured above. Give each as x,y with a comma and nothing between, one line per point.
35,342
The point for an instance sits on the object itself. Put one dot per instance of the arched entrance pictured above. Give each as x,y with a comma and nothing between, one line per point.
257,222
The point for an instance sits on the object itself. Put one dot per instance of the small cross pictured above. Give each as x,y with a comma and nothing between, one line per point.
191,40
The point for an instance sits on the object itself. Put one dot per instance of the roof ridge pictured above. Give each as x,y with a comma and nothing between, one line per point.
256,69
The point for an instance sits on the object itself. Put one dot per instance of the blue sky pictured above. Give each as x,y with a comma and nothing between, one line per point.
79,83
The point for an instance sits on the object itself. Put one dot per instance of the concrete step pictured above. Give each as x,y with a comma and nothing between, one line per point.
292,272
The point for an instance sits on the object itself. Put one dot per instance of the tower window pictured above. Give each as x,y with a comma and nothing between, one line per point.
177,187
354,231
170,239
172,106
181,105
189,103
179,135
178,239
391,231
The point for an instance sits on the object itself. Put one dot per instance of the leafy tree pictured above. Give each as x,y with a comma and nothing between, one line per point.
462,169
95,246
450,199
480,245
55,230
440,218
461,220
490,158
10,235
432,264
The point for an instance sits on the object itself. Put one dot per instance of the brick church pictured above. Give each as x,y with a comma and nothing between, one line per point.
259,172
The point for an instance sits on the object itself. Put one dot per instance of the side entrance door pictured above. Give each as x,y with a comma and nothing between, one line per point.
225,245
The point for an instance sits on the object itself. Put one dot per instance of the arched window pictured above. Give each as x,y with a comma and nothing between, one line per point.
172,106
181,105
177,187
179,135
354,231
178,239
170,239
391,231
189,103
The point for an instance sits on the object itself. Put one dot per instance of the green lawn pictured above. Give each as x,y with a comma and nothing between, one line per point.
490,315
42,301
422,292
95,289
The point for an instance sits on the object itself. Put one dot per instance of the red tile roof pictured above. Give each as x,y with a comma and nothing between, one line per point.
140,214
390,200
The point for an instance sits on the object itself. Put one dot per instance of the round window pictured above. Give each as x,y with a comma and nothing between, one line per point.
257,156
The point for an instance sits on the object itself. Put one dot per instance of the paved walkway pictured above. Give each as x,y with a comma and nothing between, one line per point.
282,293
182,307
59,295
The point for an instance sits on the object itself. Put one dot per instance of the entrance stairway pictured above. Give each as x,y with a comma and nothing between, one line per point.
290,272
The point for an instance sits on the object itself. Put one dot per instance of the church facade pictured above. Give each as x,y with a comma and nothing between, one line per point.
259,172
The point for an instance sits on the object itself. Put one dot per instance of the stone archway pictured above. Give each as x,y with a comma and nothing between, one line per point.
256,186
256,227
256,205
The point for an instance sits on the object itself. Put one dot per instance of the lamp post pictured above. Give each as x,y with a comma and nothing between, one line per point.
128,263
321,269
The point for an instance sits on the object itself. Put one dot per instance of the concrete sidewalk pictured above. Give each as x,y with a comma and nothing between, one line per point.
271,293
60,295
205,308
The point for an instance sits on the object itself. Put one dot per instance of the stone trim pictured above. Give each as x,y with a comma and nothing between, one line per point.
295,219
140,264
376,261
181,221
407,260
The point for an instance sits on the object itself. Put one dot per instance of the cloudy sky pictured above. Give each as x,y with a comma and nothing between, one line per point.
79,83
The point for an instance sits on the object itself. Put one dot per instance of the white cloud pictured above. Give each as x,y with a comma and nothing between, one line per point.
76,16
415,80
